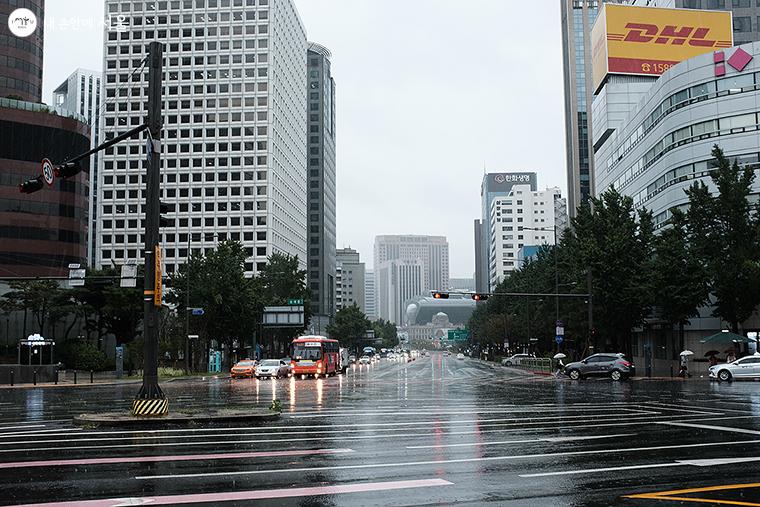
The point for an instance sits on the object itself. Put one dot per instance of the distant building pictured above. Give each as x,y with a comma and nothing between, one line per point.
493,185
525,254
462,284
397,282
321,197
429,319
80,92
522,217
350,279
370,298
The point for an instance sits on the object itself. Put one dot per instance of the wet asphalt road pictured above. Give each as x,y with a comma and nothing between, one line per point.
436,431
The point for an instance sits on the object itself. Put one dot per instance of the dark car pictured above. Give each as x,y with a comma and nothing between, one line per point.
615,366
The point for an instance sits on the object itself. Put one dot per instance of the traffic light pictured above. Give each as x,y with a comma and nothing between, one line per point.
480,297
162,220
440,295
30,186
67,169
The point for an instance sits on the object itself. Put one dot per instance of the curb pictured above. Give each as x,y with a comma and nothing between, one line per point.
126,419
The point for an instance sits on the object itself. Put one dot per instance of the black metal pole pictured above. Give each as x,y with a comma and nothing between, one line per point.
150,400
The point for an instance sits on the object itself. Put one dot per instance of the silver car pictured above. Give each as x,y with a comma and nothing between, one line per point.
746,367
272,368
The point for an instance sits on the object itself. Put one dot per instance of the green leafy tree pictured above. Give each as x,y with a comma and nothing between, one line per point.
350,327
387,332
36,296
678,276
724,230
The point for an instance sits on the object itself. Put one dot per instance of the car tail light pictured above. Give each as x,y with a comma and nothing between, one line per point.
625,363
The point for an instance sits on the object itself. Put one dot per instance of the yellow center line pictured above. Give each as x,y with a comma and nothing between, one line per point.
694,500
673,495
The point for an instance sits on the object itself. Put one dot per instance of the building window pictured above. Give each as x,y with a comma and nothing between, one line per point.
743,24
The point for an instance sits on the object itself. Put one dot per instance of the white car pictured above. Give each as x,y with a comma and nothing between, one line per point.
272,368
364,360
460,356
746,367
515,359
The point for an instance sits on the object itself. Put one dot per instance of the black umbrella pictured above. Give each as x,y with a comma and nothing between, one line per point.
711,353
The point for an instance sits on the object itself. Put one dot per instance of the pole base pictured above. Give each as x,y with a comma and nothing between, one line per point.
150,407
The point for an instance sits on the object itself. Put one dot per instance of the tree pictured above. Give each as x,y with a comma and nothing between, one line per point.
36,296
679,278
724,230
387,332
350,326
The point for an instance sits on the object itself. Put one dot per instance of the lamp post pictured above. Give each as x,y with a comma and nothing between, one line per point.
556,265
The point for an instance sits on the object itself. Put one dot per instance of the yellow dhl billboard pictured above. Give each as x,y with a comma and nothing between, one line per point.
627,39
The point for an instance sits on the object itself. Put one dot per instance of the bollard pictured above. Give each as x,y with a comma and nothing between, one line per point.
11,378
34,377
90,376
75,376
56,376
671,370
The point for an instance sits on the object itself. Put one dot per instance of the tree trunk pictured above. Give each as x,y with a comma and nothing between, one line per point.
681,339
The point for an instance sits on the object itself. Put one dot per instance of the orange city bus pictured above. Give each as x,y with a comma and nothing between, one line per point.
315,355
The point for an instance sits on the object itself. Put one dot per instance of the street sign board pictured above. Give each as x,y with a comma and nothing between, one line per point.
458,335
47,171
295,302
76,276
283,316
192,336
560,331
128,275
558,339
197,311
157,286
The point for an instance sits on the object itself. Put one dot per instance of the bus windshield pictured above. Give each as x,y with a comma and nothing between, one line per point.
308,353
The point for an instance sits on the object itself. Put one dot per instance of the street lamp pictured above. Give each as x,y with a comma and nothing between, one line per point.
556,268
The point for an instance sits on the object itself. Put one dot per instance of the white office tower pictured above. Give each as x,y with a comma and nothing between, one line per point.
398,281
370,297
233,161
81,93
431,251
522,217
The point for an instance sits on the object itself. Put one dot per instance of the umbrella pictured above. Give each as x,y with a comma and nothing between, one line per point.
559,356
711,353
687,353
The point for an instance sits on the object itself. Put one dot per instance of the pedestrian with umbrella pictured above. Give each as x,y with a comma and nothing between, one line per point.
685,363
730,355
560,365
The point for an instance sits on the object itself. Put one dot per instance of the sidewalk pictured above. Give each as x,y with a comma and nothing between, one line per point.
84,381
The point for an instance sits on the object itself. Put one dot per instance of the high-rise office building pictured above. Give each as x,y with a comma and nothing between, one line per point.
80,92
350,280
234,149
370,297
431,251
21,57
398,282
493,185
522,218
745,13
321,198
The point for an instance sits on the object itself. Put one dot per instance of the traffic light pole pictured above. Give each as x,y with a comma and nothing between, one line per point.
150,400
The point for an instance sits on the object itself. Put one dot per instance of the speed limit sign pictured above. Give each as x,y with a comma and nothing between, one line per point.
47,171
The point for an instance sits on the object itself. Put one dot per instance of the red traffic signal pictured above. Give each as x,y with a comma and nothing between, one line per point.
30,186
480,297
440,295
67,169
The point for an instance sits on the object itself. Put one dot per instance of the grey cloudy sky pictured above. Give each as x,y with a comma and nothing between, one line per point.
428,92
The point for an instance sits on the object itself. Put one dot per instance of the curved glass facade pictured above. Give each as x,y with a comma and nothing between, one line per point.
21,57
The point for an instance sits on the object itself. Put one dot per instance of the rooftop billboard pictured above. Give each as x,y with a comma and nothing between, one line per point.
648,41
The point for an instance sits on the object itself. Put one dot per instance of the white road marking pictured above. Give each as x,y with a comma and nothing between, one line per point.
711,427
525,441
677,463
444,462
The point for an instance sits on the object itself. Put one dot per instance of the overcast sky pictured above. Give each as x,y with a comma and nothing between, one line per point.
429,92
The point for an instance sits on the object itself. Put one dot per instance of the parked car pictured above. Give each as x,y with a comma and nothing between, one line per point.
352,358
447,353
460,356
746,367
364,360
243,369
514,359
615,366
391,356
272,368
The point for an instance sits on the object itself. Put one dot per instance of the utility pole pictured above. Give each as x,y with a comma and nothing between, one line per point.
150,400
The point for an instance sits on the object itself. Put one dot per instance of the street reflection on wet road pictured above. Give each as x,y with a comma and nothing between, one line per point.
436,431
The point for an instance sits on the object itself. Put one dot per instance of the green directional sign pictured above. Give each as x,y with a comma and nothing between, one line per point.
295,302
458,335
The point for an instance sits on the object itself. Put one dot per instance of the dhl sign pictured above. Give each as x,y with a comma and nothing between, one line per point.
649,40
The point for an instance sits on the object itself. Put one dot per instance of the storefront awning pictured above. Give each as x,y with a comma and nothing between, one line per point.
726,337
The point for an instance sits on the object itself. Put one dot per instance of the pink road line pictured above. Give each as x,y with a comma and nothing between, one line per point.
158,459
261,494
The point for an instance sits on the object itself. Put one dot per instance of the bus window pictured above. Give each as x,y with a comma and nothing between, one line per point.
307,353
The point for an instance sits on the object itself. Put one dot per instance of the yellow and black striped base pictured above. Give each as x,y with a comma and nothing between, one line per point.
150,407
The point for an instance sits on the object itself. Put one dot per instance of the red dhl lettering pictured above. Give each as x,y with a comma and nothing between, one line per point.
644,33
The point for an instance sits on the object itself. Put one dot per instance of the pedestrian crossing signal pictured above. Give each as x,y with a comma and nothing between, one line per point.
440,295
480,297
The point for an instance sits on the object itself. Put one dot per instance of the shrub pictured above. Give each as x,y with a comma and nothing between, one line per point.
81,355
